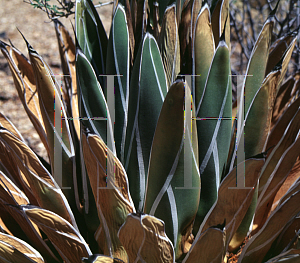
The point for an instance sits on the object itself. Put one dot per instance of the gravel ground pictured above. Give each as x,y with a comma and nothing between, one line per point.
40,33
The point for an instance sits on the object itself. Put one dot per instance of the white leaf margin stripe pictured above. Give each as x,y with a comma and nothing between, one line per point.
56,189
109,124
37,235
123,99
174,213
167,185
35,253
165,238
14,192
216,131
142,174
78,236
168,180
12,247
135,125
70,152
153,64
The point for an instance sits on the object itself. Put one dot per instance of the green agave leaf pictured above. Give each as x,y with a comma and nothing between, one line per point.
204,49
245,226
233,203
260,243
169,44
91,37
209,247
92,104
213,112
256,68
95,115
173,184
119,64
145,240
19,246
148,88
39,180
23,75
129,19
256,125
64,237
110,188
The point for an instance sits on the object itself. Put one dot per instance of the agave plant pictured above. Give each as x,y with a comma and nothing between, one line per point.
150,161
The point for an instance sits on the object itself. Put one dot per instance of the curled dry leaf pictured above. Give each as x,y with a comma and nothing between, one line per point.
23,75
260,243
37,178
67,56
7,124
10,198
22,247
209,247
10,254
65,238
232,204
110,188
144,239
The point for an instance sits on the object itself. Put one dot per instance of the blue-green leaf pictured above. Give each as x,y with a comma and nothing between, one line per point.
213,113
148,88
173,185
91,37
92,103
119,64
